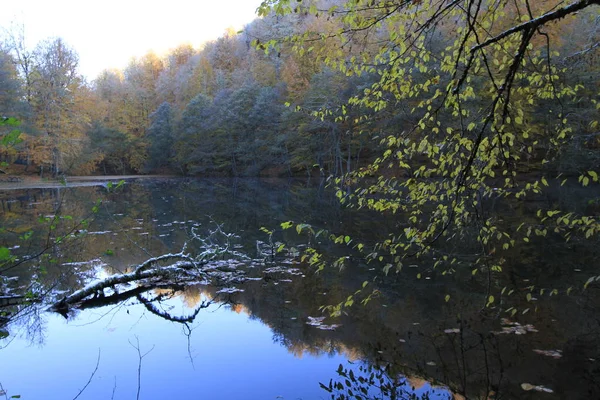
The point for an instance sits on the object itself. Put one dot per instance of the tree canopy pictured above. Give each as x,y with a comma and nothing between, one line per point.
487,99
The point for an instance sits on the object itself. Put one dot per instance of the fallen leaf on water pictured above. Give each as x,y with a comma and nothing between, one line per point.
538,388
453,330
315,321
230,290
331,327
549,353
514,327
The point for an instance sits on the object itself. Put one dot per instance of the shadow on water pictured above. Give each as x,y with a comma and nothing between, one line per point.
407,342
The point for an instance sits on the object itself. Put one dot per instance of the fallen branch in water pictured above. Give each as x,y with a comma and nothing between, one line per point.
173,272
184,271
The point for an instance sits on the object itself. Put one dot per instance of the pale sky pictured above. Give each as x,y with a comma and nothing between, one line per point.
106,34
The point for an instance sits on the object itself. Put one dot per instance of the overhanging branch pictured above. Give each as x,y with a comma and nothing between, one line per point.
537,22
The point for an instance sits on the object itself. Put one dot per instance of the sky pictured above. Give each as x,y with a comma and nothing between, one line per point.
107,34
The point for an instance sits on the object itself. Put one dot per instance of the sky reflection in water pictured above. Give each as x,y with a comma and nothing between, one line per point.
234,356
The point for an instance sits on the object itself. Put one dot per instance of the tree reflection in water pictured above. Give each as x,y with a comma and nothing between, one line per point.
407,336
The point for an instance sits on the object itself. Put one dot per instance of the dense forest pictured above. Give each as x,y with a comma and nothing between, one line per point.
236,107
460,140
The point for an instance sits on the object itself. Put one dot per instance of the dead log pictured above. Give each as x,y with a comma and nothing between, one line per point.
174,272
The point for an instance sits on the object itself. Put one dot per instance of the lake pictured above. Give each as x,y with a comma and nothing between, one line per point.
264,335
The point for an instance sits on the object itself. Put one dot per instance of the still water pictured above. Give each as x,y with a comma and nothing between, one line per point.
267,337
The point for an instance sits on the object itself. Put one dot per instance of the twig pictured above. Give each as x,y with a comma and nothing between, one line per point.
91,377
114,389
3,392
140,358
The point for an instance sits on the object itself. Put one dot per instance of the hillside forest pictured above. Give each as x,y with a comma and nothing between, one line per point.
235,107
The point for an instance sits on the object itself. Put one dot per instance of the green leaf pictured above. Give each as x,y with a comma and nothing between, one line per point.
387,268
11,138
287,225
447,298
4,254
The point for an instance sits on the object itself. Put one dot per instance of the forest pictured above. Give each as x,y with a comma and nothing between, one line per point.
446,223
231,108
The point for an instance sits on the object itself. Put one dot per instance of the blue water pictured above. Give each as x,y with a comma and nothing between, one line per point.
232,356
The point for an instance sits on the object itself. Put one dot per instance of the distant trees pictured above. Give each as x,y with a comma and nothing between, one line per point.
349,67
160,137
54,83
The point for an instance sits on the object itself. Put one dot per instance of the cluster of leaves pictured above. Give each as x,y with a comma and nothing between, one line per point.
491,107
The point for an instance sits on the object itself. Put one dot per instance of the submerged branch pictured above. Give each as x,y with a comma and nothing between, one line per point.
179,269
165,315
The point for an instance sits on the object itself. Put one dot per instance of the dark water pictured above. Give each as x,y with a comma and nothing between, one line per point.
255,343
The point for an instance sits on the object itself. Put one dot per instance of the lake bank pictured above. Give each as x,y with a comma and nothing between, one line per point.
30,182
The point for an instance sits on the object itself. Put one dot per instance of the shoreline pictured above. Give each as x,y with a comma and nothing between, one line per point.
74,181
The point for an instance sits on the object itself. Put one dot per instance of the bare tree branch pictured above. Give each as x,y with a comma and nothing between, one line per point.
91,377
140,358
537,22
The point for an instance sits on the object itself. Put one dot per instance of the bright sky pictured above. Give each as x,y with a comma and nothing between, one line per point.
106,34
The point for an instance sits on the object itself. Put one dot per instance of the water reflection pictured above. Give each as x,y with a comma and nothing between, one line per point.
261,340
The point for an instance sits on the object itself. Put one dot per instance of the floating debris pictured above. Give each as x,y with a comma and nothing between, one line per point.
291,271
514,327
431,363
230,290
549,353
95,261
331,327
452,330
315,321
538,388
318,323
